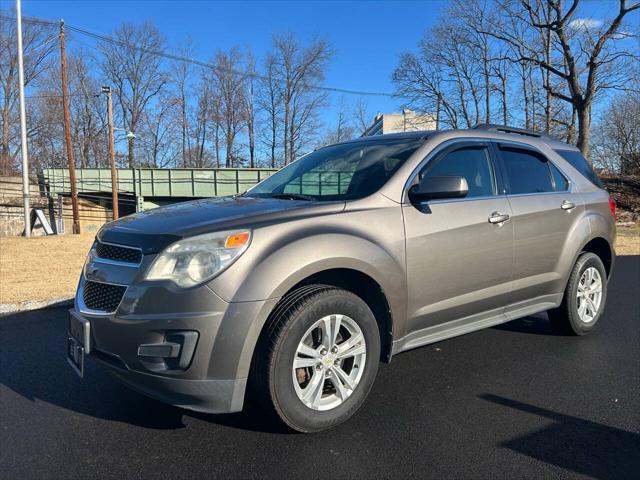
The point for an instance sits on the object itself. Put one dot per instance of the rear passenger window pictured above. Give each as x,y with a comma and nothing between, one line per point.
560,181
580,163
527,172
472,163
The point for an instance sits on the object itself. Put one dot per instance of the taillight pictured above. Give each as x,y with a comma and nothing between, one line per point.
612,207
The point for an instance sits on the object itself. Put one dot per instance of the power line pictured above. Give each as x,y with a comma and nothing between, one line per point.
193,61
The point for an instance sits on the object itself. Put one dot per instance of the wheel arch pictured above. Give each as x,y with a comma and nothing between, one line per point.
603,249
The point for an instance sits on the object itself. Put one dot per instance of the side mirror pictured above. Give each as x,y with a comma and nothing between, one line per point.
431,188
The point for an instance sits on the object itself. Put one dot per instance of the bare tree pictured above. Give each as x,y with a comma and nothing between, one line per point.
589,56
159,133
299,70
216,118
38,44
616,140
88,114
501,72
180,75
134,69
470,20
361,116
229,82
203,116
249,107
441,77
270,101
343,128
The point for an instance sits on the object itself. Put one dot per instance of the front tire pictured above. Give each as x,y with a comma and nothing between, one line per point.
584,298
318,358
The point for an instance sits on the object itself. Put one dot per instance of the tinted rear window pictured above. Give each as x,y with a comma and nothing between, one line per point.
580,163
527,172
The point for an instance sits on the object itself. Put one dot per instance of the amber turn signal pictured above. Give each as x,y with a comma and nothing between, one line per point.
237,240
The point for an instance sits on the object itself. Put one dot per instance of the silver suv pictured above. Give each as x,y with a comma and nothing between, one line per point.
291,293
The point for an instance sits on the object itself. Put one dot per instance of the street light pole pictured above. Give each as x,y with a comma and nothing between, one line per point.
112,154
23,125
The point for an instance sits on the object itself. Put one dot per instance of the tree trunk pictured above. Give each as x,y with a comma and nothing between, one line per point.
286,132
217,145
131,154
572,126
487,94
584,128
527,123
252,147
202,140
229,149
534,100
504,99
273,143
292,152
4,158
184,133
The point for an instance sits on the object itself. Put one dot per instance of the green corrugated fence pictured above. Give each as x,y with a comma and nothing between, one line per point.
158,182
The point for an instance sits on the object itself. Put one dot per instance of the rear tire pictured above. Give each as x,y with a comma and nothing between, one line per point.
584,297
306,398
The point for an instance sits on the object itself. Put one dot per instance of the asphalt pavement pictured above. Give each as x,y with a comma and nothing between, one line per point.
507,402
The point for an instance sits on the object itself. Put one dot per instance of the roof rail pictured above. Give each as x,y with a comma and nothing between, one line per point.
505,129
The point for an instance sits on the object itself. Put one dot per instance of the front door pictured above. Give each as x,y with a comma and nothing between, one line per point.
459,251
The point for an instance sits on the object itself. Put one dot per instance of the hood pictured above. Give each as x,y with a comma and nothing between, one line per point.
153,230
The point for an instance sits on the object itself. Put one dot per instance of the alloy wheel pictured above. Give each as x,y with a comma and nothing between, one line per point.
329,362
589,295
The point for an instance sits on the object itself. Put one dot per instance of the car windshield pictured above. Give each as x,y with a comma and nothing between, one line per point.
339,172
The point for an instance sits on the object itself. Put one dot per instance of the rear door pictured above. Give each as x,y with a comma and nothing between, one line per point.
544,208
459,263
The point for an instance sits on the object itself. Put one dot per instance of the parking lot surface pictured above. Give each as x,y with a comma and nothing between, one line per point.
508,402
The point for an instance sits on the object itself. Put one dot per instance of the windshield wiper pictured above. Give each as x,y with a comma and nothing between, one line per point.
293,196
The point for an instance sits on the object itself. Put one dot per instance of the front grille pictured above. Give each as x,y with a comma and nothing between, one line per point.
102,296
118,253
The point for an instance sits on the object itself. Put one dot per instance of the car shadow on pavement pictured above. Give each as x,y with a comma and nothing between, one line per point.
34,366
579,445
537,324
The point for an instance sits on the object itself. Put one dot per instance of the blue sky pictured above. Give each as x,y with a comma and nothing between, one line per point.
368,36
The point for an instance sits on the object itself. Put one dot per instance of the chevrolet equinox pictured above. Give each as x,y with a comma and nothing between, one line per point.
292,292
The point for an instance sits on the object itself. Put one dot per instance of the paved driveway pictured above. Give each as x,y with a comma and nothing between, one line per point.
508,402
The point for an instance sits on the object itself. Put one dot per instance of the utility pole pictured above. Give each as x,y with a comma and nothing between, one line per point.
438,112
67,132
112,154
23,125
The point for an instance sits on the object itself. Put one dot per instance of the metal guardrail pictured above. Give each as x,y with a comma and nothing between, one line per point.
155,182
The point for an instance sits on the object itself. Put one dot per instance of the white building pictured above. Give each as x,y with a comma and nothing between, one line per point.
407,121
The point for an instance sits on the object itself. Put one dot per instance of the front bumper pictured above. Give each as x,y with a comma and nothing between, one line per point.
213,378
210,396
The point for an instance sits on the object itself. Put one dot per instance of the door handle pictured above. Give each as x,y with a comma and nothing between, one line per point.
498,218
567,205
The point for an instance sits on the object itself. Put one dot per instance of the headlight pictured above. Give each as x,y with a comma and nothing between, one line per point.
197,259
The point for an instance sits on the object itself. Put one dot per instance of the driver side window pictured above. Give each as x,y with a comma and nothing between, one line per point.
471,162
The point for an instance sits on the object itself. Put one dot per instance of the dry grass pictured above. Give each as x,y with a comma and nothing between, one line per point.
41,268
628,240
47,268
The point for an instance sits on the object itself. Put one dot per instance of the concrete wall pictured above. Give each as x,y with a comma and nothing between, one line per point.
93,213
